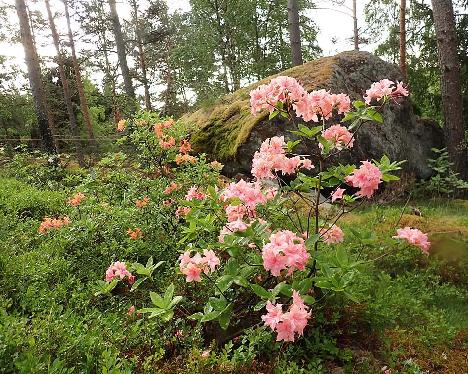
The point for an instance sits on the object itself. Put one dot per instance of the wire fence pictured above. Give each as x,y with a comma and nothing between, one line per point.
67,145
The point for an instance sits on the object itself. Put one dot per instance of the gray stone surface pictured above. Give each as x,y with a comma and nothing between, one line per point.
402,136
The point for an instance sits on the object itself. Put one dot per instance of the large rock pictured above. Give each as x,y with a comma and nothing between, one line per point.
230,133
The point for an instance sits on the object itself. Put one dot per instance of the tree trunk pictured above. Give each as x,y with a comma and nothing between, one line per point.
141,56
450,86
35,76
403,39
50,116
355,26
79,81
66,88
294,32
122,55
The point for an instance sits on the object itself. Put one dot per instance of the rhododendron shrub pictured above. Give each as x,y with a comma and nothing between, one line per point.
248,244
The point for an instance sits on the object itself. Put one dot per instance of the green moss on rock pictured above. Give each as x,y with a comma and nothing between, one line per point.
226,125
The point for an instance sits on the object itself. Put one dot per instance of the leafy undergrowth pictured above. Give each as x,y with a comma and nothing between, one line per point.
412,318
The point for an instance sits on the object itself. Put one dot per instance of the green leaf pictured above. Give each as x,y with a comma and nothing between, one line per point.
158,300
169,293
176,300
261,292
224,282
241,281
342,257
311,240
137,283
273,114
359,104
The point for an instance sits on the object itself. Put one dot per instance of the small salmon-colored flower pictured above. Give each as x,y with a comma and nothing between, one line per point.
131,310
182,211
338,194
52,223
76,200
135,234
158,130
185,147
169,123
143,202
332,235
185,158
121,125
171,188
216,165
167,143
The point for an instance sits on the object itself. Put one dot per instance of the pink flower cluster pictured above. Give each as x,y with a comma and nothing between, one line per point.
192,267
307,105
119,270
194,194
281,89
367,178
337,194
285,250
414,237
385,88
53,223
250,194
290,323
332,235
272,157
321,102
339,136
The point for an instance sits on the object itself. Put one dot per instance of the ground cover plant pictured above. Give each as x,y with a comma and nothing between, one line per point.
153,262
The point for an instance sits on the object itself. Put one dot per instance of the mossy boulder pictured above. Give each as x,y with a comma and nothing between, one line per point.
230,133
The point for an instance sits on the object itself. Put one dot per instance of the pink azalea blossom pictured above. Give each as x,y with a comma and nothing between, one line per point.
332,235
272,157
210,259
250,194
338,194
281,89
117,270
367,178
321,103
285,250
235,212
274,315
290,323
194,194
414,237
192,267
385,88
339,136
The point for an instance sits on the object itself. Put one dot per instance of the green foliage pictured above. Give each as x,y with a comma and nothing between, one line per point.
444,181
